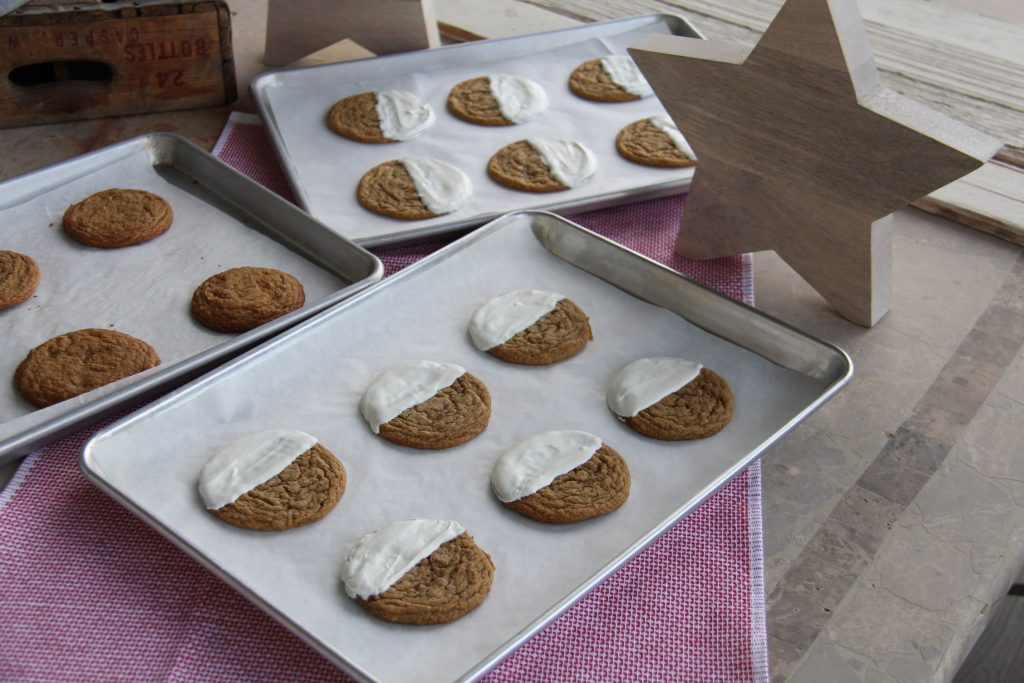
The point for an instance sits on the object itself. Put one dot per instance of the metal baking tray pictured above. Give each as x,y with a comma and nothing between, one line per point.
324,168
222,219
312,376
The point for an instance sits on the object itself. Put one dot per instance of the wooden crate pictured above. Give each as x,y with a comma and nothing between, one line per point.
63,62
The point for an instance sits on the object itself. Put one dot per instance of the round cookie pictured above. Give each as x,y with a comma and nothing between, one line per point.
655,141
561,477
614,78
671,399
497,100
239,299
427,405
413,188
380,117
530,327
19,277
271,481
539,165
118,218
418,571
74,363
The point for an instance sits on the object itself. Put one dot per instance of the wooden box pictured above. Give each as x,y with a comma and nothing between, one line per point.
63,62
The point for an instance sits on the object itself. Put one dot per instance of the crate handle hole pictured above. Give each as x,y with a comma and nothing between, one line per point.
43,73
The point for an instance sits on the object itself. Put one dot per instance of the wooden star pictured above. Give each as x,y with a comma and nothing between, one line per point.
801,150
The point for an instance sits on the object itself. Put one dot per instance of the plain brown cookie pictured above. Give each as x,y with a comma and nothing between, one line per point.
355,117
301,493
590,81
699,409
240,299
447,584
641,142
388,189
450,417
80,361
118,218
472,101
595,488
19,277
560,334
519,166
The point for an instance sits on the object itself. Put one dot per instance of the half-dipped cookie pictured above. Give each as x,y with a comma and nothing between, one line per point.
272,480
655,141
381,116
670,398
530,327
418,571
497,100
561,476
414,188
615,78
542,165
425,404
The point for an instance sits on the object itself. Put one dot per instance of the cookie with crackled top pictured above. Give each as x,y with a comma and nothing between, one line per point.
530,327
19,277
118,217
240,299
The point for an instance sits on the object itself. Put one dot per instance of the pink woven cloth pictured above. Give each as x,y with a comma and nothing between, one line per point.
89,593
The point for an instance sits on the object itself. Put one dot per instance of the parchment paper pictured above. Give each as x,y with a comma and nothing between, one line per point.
312,379
327,167
143,290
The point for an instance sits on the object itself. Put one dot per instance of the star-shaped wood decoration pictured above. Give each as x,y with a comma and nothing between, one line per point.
802,150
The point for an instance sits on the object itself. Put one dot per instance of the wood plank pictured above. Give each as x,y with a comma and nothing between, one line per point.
463,20
990,199
997,656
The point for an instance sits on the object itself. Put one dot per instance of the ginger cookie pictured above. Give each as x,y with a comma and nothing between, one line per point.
536,165
418,571
614,78
19,277
655,141
670,398
414,188
497,100
118,218
378,117
239,299
561,476
272,480
423,404
74,363
530,327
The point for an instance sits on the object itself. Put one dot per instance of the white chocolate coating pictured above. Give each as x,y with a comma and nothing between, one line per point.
404,386
571,163
508,314
244,464
535,462
623,72
402,115
519,99
442,187
646,381
384,556
665,125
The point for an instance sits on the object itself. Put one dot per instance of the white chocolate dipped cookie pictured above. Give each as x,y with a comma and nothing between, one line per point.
381,116
272,480
425,404
614,78
414,188
530,327
497,100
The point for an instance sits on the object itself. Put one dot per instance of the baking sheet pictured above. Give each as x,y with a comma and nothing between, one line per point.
324,168
145,290
312,378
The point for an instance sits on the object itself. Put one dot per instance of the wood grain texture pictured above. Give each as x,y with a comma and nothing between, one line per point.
158,57
296,28
803,151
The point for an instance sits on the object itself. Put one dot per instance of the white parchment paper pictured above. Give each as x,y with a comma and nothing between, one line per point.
312,380
143,290
327,167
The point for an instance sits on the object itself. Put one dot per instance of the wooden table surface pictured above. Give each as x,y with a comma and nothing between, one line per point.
894,516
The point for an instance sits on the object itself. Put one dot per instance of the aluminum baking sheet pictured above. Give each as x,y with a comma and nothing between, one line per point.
324,168
221,220
311,378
